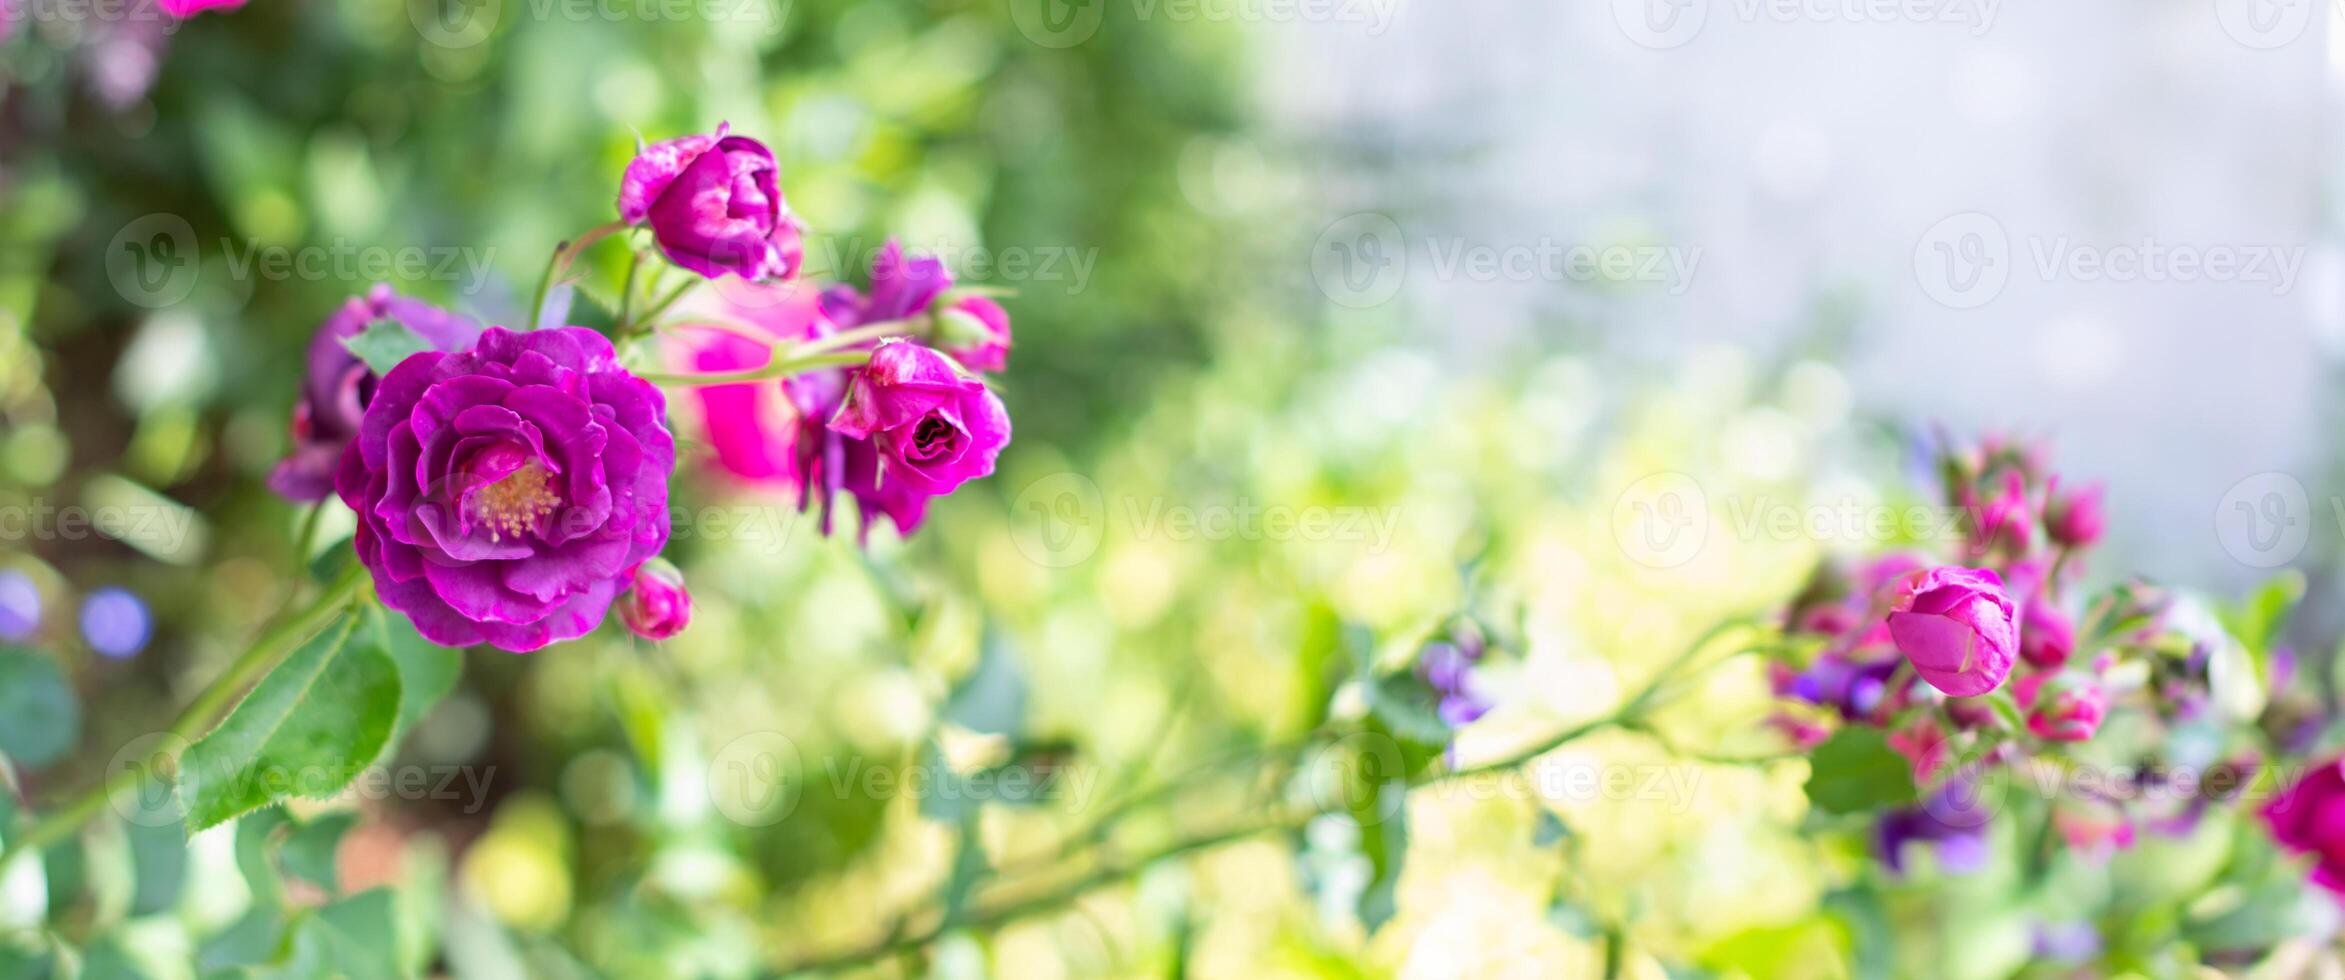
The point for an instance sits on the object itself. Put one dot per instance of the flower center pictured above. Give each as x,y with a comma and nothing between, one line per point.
517,502
933,437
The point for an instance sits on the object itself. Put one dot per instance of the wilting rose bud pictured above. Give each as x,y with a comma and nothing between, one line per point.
2076,519
2062,707
656,605
2045,636
715,206
1958,629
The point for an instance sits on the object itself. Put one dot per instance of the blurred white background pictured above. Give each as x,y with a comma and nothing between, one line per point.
2112,223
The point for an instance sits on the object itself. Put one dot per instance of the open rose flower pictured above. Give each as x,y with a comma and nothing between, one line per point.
974,330
715,206
505,494
2309,818
339,385
933,426
1958,629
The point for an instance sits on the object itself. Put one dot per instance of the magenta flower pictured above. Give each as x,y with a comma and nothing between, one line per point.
2061,708
339,386
1958,629
184,9
656,605
974,330
933,426
2046,638
2309,817
2076,519
715,206
504,494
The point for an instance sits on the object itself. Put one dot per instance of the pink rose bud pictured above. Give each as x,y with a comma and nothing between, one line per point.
2045,636
1958,629
656,605
715,206
2061,707
2076,519
2008,521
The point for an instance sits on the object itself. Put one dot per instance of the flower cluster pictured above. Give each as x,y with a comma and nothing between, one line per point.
512,486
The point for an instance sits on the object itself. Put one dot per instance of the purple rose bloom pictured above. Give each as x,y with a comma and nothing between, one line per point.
1958,628
974,330
715,206
934,427
504,494
339,385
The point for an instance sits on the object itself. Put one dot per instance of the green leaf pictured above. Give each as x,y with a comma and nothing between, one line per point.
309,850
2257,620
40,719
385,343
427,670
992,699
1856,771
305,730
1409,708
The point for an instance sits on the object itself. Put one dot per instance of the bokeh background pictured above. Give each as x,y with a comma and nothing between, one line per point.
1473,280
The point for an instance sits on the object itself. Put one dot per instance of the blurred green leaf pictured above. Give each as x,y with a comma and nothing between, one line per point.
40,718
427,670
1855,771
992,698
309,850
306,729
385,343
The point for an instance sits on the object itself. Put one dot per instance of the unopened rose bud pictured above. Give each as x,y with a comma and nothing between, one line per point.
2046,638
656,605
2076,519
2062,708
1958,628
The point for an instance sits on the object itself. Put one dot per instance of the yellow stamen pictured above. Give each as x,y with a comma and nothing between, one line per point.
516,503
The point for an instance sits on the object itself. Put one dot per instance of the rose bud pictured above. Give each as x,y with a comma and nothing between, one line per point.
1958,629
2062,708
2076,519
715,206
657,605
2008,521
2045,636
2309,817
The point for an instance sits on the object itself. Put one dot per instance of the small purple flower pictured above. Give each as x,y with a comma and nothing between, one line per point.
715,206
339,385
2067,942
934,427
1851,687
657,605
20,607
505,493
1448,668
115,622
1953,820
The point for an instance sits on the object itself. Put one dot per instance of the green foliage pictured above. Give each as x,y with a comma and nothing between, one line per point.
1855,771
385,343
40,717
306,729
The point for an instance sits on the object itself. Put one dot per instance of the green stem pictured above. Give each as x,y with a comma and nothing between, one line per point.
627,294
779,369
651,314
863,334
273,645
565,254
1286,818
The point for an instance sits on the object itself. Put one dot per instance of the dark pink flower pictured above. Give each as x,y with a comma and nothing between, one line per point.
1958,629
2309,817
184,9
335,394
2046,638
2076,519
2060,707
715,206
505,494
656,605
934,427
